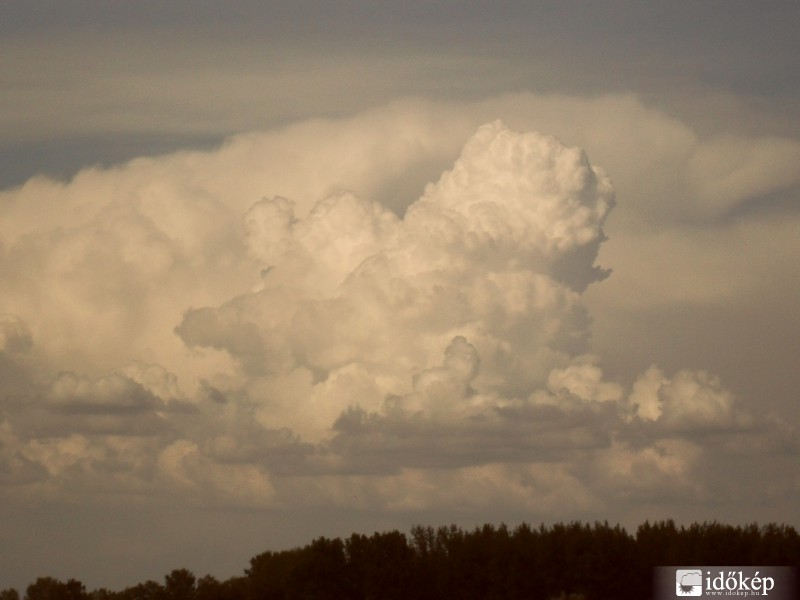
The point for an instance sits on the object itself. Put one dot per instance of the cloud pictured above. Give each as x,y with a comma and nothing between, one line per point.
691,399
273,324
113,394
15,337
729,171
478,258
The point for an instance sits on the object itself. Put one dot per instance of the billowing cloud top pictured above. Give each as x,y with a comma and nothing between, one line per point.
165,335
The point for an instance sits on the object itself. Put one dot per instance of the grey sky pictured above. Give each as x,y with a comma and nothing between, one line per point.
194,370
99,81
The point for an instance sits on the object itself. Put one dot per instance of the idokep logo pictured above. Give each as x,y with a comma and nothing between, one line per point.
775,583
688,582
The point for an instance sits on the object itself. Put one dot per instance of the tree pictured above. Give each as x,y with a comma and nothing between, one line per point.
180,585
149,590
49,588
381,566
322,572
208,588
269,573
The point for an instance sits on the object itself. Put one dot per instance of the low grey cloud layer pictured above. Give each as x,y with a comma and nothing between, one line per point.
92,83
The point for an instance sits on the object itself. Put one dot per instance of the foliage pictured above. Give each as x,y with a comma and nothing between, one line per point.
574,561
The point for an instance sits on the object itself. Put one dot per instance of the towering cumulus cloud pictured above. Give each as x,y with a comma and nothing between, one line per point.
492,259
167,338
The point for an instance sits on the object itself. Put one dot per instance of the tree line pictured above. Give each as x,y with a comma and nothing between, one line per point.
575,561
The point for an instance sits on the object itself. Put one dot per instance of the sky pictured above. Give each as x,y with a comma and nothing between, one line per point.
271,271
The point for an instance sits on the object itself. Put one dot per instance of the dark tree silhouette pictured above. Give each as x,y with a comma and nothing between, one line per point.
9,594
49,588
572,561
149,590
180,585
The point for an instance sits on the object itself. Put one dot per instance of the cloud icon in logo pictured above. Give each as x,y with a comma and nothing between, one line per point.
689,583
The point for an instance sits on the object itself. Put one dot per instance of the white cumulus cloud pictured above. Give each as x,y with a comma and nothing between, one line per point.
268,325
